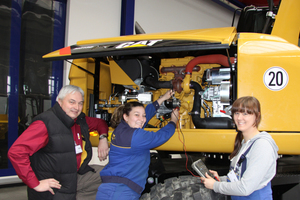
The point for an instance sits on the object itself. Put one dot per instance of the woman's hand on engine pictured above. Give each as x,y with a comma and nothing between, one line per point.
166,96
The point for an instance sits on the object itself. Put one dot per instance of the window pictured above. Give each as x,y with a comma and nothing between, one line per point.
29,29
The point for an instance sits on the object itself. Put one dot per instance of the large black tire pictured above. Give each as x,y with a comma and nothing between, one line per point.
182,188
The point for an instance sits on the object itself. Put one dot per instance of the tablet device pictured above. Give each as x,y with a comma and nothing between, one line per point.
201,168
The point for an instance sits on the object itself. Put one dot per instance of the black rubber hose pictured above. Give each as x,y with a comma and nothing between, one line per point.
268,20
197,100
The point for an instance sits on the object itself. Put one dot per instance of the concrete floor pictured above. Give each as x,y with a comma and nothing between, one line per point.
13,192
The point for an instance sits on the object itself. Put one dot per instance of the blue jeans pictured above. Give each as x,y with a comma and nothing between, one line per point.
116,191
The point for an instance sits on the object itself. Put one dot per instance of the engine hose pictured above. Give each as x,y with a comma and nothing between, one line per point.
158,84
197,99
206,123
208,59
268,20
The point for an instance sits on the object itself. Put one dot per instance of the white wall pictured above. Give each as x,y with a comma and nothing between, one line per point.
175,15
91,19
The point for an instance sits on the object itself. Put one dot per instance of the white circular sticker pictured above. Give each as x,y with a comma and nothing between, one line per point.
276,78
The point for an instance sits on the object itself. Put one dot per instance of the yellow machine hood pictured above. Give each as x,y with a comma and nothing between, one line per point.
192,40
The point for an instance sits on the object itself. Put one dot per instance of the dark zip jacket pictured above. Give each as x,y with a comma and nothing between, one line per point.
58,158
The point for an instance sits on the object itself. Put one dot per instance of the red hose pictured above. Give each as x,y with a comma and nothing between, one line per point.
208,59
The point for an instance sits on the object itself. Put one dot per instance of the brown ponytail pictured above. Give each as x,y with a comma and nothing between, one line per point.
237,144
117,116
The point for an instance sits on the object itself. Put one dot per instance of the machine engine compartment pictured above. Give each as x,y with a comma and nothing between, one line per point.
206,103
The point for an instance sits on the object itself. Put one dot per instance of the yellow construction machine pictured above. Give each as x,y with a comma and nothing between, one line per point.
208,69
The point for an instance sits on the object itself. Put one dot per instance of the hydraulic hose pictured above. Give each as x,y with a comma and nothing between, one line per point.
208,59
268,20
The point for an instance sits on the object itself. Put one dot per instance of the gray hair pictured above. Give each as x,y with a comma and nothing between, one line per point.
68,89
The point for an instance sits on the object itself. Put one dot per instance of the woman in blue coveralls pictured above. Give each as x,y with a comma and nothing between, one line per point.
253,160
124,177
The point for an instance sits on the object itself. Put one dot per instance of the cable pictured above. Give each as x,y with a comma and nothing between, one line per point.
161,120
184,148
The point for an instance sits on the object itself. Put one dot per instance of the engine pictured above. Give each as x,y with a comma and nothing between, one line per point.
205,105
